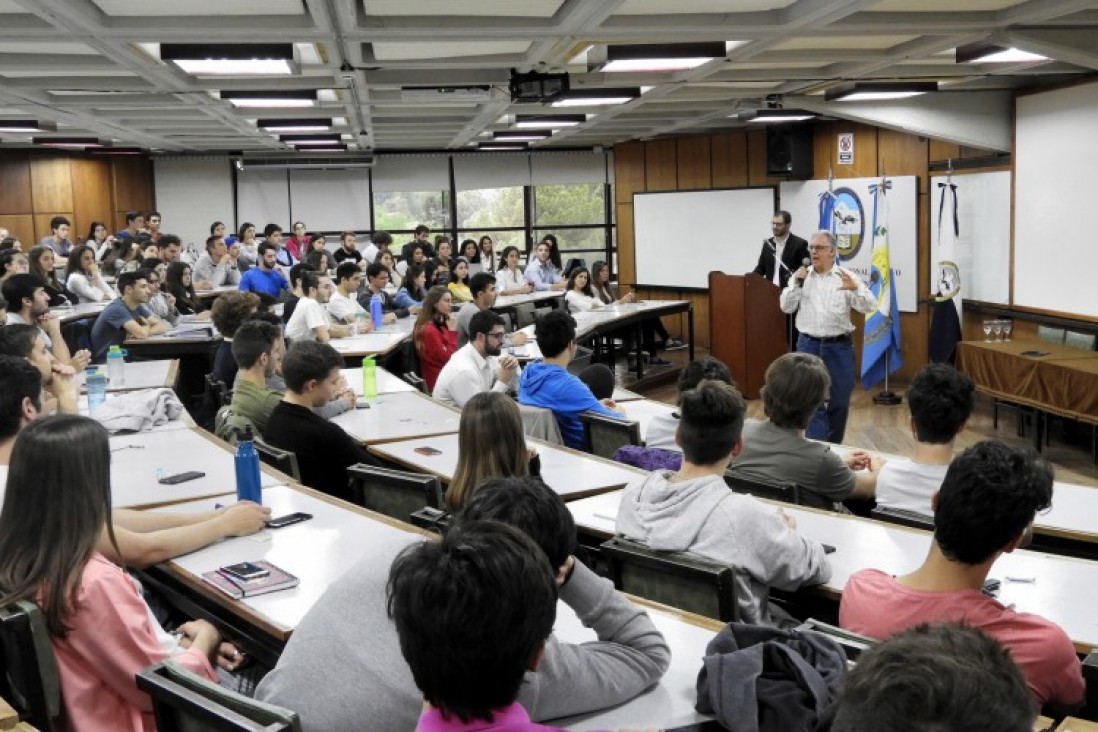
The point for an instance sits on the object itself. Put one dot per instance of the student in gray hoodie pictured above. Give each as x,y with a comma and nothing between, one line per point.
694,511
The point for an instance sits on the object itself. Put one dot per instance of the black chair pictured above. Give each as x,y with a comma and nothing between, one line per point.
603,435
680,580
185,702
525,314
761,488
394,493
902,517
431,519
29,682
417,381
852,643
283,460
217,393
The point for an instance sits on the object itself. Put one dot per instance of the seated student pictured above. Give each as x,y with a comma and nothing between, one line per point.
541,273
265,278
940,399
179,283
985,507
413,290
295,294
348,250
324,451
435,334
343,304
229,310
12,262
169,248
941,677
693,510
29,304
101,631
58,238
459,280
41,264
482,286
776,449
272,234
509,278
217,267
580,296
662,427
377,278
258,348
478,366
135,222
57,379
379,242
161,303
310,321
82,276
125,316
374,683
491,444
547,383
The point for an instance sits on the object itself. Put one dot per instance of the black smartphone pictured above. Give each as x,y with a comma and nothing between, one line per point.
828,549
244,571
181,477
428,451
290,518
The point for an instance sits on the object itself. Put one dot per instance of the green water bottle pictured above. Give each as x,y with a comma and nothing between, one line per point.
369,378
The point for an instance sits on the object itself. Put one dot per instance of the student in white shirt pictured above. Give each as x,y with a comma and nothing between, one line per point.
310,321
478,366
509,278
83,277
940,400
581,296
343,305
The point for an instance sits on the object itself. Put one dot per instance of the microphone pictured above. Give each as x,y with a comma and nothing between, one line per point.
804,263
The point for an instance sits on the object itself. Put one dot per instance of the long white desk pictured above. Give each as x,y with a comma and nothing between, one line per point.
572,474
544,296
1065,590
399,416
318,551
161,373
84,310
642,411
387,383
136,458
376,343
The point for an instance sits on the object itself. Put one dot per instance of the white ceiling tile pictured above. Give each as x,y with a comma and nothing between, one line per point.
840,43
53,48
161,8
426,49
941,6
10,6
68,72
502,8
660,7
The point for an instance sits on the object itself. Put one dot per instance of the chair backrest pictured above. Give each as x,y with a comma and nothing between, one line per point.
185,702
1049,334
572,263
540,423
603,435
278,459
762,488
902,517
29,681
395,493
852,643
681,580
217,392
1079,340
648,458
524,314
230,426
417,381
431,519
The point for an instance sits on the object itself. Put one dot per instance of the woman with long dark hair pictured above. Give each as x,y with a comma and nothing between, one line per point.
491,444
435,334
509,278
40,263
178,283
82,277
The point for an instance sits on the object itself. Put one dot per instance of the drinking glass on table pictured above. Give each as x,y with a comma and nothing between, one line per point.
1008,325
997,326
987,331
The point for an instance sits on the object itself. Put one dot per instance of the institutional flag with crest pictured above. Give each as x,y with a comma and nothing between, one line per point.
945,324
882,326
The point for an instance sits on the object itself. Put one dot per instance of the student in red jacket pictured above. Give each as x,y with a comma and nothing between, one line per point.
435,334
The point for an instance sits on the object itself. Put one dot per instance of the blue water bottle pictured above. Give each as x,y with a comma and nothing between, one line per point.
116,366
375,310
96,382
247,469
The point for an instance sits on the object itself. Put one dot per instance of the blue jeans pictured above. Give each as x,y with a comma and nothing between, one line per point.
829,421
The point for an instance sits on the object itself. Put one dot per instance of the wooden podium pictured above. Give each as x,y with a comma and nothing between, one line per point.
747,329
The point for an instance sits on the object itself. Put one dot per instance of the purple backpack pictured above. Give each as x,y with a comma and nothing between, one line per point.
648,458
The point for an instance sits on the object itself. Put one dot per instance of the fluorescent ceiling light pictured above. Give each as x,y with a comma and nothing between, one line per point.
990,53
231,59
765,116
522,136
70,143
500,147
26,126
548,121
271,98
281,126
862,91
326,148
597,97
309,139
661,56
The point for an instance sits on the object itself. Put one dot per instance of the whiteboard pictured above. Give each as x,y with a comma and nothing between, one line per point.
192,193
983,244
263,197
681,236
1055,158
331,200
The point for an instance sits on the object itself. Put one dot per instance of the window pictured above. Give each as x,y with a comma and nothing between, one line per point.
575,213
400,211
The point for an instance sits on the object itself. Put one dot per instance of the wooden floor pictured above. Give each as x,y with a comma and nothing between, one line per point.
887,429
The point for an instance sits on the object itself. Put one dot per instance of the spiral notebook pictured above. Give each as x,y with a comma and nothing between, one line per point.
276,579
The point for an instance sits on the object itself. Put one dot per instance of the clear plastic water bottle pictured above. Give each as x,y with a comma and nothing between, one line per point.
375,310
116,366
247,469
369,378
96,382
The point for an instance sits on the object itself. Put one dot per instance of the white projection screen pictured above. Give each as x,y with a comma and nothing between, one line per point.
1055,160
681,236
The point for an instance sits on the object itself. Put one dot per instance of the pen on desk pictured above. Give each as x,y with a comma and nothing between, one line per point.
218,506
1027,580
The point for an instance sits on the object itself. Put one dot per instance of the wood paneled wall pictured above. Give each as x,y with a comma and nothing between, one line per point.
738,160
36,186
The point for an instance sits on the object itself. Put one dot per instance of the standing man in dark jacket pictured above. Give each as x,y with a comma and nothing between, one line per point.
782,255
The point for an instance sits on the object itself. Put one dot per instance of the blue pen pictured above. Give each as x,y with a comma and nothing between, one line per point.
218,506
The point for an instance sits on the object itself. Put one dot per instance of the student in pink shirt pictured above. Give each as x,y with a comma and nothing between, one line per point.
101,630
985,507
472,613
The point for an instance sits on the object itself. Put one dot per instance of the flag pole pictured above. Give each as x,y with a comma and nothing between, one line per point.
886,397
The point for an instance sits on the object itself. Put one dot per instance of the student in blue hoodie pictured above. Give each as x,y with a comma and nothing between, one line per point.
548,383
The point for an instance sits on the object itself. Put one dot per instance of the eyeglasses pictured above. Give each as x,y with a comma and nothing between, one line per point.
818,249
501,334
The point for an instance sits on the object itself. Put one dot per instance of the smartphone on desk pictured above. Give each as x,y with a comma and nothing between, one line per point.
181,477
427,451
288,520
244,571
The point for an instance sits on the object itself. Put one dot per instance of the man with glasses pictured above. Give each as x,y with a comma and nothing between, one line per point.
781,253
477,366
822,296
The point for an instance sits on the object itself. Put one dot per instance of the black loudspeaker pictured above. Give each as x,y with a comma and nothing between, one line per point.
789,150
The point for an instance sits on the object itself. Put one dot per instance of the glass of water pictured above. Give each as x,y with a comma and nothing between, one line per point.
987,331
1008,325
997,326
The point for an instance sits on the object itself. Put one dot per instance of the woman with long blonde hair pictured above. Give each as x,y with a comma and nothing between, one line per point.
491,444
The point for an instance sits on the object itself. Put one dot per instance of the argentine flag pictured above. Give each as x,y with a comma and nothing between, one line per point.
882,326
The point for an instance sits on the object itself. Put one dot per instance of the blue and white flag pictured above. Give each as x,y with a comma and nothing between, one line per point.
945,323
882,326
827,210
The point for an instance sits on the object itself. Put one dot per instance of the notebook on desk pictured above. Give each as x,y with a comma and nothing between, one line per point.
276,579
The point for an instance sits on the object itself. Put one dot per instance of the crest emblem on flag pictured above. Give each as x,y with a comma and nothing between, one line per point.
848,218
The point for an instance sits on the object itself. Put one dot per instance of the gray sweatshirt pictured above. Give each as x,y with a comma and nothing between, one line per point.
704,517
342,668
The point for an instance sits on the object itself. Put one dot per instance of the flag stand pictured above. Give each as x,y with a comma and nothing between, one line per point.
887,397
